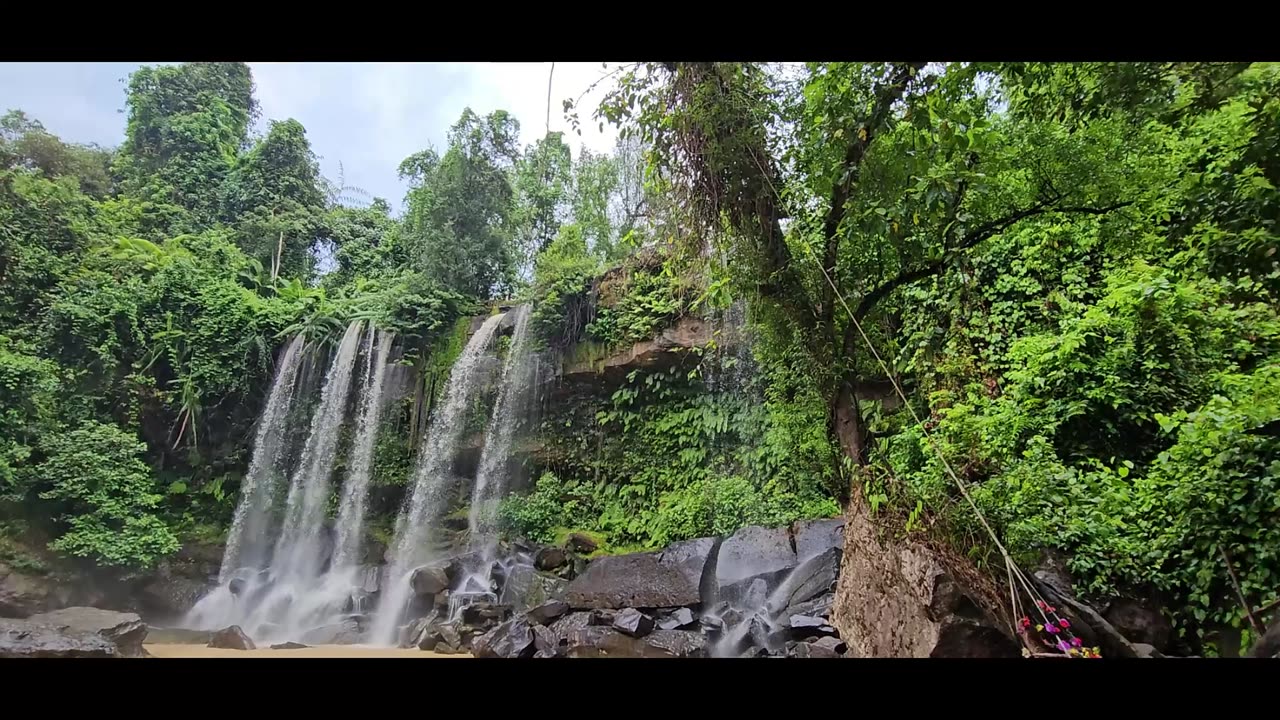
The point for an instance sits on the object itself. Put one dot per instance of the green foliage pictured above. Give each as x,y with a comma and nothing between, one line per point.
457,220
110,499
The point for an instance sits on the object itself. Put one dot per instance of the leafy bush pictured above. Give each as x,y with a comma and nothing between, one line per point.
107,497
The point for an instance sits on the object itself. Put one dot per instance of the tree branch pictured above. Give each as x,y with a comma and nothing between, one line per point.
859,141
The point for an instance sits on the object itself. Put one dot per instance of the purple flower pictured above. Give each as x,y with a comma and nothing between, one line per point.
1063,646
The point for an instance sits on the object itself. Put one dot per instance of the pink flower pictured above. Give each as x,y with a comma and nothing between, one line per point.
1076,641
1063,623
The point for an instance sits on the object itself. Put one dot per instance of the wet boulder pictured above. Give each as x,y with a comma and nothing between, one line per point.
805,626
548,612
634,580
231,638
813,577
633,622
22,639
429,580
485,615
125,630
677,619
442,638
545,641
813,650
690,557
595,641
512,639
817,607
752,552
550,558
573,621
525,588
813,537
289,646
23,594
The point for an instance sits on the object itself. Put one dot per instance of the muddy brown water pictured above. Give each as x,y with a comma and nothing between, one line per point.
163,650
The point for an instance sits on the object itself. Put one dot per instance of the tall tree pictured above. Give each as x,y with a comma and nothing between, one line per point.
543,182
274,198
187,124
458,215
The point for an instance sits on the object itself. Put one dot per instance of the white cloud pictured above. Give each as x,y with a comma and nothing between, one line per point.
366,116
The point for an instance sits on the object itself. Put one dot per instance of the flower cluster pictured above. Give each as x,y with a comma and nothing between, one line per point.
1055,632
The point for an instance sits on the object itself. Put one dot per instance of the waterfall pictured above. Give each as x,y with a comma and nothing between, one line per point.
297,552
290,597
519,375
355,487
431,482
245,542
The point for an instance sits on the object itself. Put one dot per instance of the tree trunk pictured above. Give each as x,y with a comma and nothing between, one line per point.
275,264
848,426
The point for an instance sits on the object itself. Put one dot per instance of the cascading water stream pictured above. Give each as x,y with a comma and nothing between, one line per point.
431,481
291,597
519,374
297,554
350,525
245,546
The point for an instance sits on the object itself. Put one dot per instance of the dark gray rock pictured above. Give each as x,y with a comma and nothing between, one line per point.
441,638
548,612
595,641
690,557
236,586
1140,621
580,543
485,615
677,620
677,643
22,639
813,537
231,638
23,594
562,627
813,577
809,650
634,580
817,607
807,625
125,630
526,588
550,558
603,617
832,643
172,597
429,580
343,632
964,638
754,551
633,622
289,646
545,641
753,593
512,639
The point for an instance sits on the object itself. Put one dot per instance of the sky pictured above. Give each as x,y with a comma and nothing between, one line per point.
362,118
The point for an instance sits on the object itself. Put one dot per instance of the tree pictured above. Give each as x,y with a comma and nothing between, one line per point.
458,216
25,143
187,124
275,197
542,186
